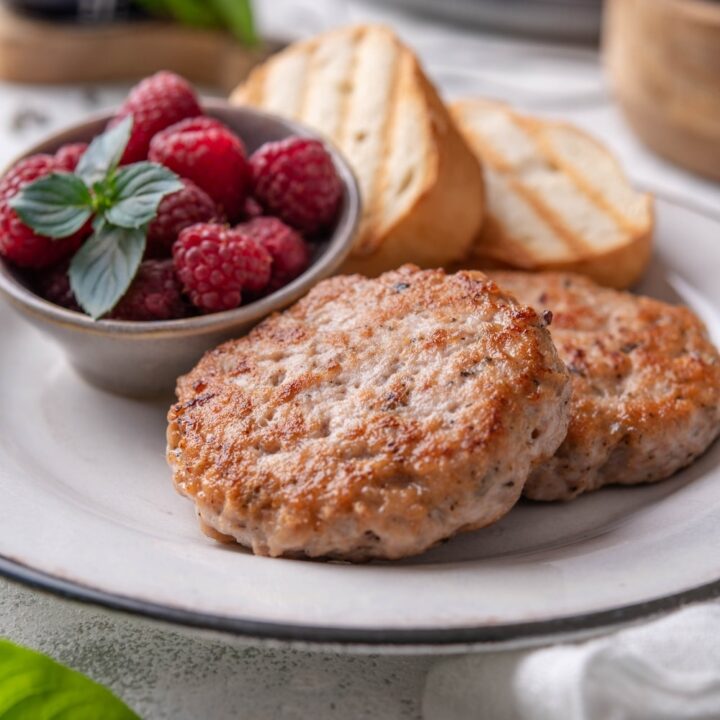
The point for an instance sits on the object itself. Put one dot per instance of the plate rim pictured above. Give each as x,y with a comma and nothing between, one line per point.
465,636
339,635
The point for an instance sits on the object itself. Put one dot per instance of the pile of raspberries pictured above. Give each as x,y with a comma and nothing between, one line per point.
240,228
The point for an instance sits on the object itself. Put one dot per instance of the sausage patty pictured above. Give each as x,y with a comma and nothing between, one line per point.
372,419
646,384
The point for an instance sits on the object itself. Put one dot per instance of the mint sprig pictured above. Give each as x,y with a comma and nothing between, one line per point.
34,686
122,200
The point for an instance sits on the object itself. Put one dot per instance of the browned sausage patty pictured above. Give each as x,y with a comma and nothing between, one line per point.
646,384
372,419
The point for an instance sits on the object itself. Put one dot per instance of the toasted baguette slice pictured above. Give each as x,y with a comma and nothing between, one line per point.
556,199
421,183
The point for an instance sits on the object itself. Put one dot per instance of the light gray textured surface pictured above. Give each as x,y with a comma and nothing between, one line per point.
164,674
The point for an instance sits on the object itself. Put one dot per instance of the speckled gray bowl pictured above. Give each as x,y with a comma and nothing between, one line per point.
141,359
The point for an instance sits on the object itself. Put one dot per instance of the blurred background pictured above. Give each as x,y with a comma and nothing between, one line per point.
577,19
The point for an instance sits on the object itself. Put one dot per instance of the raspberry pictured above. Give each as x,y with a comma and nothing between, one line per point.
68,156
290,253
184,208
18,242
156,103
216,263
211,155
24,172
23,247
296,180
155,294
201,124
53,284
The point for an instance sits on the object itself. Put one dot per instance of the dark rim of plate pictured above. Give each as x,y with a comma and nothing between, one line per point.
378,637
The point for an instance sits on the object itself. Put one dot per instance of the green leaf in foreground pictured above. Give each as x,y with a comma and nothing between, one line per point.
102,270
139,188
34,686
104,153
55,206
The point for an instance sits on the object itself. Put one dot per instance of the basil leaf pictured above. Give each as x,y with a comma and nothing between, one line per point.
104,153
103,268
56,206
34,686
138,190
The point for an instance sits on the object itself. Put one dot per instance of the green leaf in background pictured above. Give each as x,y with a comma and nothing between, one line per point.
102,270
233,15
238,17
138,190
34,687
198,13
104,153
56,206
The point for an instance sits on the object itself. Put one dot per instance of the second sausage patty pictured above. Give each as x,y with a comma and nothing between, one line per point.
646,384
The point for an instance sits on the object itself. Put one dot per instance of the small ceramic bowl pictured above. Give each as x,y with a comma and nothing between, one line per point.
144,358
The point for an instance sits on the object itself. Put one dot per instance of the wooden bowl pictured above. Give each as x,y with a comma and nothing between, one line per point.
663,59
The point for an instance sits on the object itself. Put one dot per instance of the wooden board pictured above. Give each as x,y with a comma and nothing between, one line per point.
663,58
37,51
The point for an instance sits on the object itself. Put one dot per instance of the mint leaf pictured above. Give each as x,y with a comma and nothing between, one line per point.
104,153
138,190
102,270
56,206
34,686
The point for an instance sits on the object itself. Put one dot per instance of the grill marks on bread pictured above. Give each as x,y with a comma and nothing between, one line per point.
557,199
349,84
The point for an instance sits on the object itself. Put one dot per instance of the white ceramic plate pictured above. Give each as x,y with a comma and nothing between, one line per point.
88,510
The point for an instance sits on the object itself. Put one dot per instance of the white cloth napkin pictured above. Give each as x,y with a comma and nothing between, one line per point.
668,669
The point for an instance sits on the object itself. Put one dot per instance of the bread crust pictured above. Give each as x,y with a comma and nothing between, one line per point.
620,268
372,419
646,384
